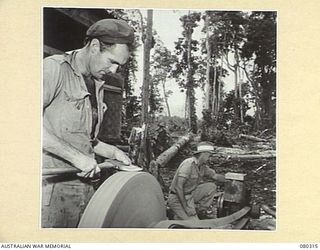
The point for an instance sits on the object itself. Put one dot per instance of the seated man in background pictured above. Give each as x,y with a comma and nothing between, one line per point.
187,188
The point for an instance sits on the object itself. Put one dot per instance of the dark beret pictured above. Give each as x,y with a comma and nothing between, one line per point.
112,31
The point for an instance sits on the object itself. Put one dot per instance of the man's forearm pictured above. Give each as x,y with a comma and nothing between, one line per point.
181,197
105,150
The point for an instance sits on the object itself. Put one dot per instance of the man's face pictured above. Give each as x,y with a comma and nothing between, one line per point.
107,61
204,157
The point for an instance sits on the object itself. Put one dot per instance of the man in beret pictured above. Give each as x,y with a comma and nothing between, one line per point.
73,109
188,188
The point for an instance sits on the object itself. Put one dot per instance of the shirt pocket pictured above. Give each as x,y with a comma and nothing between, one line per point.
75,113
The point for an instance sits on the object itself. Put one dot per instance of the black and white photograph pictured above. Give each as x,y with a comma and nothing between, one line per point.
159,119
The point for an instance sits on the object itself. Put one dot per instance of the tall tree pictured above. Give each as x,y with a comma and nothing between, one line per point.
246,42
146,67
161,65
207,86
155,100
233,22
187,64
226,37
259,53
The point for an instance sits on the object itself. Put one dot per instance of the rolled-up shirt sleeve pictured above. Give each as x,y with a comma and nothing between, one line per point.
185,169
51,82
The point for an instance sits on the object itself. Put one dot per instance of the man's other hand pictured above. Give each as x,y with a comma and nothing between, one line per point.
89,167
122,157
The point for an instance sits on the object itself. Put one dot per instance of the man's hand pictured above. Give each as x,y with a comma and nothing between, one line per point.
111,152
88,166
121,156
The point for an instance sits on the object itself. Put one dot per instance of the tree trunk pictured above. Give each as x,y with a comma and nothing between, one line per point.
186,108
220,78
214,94
146,68
236,91
189,77
219,87
238,95
256,91
165,97
240,99
144,153
207,84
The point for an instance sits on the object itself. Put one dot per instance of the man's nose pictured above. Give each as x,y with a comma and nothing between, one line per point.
113,68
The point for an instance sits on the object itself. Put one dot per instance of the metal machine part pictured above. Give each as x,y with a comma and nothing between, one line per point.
235,196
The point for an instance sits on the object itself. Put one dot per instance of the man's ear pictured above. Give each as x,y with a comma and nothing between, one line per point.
94,46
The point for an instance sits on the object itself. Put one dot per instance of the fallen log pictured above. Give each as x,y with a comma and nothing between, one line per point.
226,154
252,138
268,210
167,155
228,158
268,155
231,151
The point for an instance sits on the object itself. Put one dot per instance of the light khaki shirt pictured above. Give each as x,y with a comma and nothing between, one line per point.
193,173
67,108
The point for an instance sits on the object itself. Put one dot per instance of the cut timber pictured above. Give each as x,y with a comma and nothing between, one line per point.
262,155
246,157
230,151
224,153
252,138
167,155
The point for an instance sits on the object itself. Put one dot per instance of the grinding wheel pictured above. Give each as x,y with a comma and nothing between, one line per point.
125,200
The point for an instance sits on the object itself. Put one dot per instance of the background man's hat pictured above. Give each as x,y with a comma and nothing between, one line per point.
111,31
204,147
